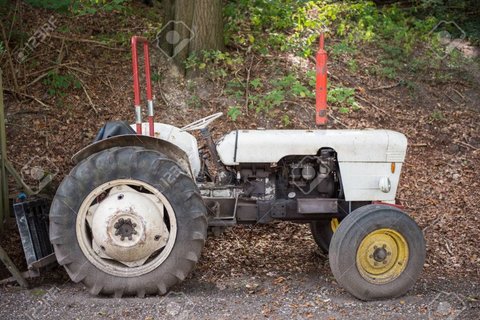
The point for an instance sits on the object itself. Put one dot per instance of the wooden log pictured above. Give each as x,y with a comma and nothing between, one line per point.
4,205
12,268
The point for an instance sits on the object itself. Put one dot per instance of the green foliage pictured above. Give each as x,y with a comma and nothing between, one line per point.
286,120
343,99
388,72
267,101
192,62
294,25
216,64
260,24
352,65
437,116
84,7
64,29
194,101
360,22
277,92
292,85
80,7
463,12
397,37
58,84
256,83
341,48
58,5
234,112
157,77
235,89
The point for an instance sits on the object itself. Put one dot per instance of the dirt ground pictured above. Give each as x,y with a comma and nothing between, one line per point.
274,295
272,271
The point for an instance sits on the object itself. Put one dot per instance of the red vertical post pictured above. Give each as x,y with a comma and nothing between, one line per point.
136,85
321,84
149,89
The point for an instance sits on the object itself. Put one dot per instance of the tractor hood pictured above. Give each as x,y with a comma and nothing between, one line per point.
269,146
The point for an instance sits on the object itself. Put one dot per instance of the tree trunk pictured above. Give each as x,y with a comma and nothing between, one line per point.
198,25
207,26
183,11
168,7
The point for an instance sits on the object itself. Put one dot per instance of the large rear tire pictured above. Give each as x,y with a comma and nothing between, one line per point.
377,252
170,197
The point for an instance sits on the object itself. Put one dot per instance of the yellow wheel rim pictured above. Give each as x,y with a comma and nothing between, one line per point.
334,224
382,256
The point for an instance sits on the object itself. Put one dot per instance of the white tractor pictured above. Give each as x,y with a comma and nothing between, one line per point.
131,218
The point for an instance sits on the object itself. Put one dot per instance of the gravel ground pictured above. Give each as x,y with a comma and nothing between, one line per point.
271,296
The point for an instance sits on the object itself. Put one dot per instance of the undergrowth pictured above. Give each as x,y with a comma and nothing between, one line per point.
403,39
80,7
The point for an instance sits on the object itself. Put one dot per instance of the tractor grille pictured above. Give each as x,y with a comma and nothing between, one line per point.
32,221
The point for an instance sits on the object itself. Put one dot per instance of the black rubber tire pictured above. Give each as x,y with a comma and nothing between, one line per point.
349,235
322,234
128,163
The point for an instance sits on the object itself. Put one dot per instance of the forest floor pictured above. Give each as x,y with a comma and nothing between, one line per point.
251,271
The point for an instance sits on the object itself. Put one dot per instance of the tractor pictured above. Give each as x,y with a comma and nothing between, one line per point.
131,218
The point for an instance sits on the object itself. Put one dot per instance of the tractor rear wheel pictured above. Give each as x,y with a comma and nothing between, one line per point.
322,232
377,252
128,221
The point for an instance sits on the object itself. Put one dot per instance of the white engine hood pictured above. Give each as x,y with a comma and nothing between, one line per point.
269,146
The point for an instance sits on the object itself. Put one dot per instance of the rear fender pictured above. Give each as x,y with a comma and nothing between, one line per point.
132,140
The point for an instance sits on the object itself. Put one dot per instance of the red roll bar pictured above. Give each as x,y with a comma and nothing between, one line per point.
321,85
136,85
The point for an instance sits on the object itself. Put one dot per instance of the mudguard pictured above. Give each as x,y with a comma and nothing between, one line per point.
169,149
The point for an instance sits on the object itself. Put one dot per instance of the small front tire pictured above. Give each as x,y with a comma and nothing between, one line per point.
377,252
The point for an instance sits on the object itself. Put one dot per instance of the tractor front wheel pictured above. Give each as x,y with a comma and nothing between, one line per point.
377,252
128,221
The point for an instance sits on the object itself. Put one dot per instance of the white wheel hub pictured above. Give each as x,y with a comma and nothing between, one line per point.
127,226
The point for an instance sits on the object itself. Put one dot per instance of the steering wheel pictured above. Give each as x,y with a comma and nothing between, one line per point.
201,123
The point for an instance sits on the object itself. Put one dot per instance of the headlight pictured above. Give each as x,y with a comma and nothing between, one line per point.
384,184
